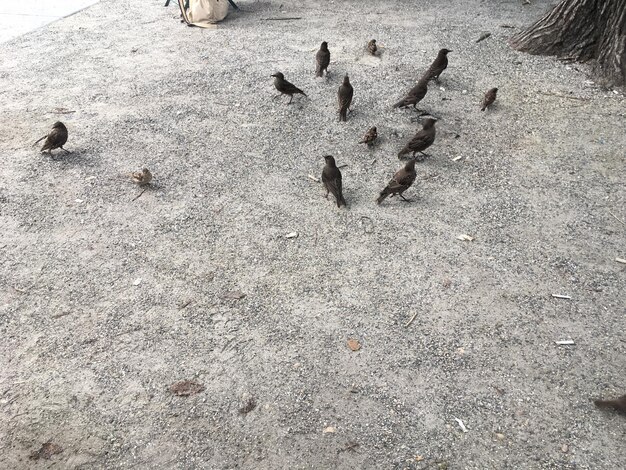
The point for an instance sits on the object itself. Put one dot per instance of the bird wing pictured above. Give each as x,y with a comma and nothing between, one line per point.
291,88
323,59
345,96
332,180
54,139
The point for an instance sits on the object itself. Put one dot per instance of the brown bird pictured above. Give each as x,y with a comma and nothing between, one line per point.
370,136
422,140
618,404
285,87
55,139
322,59
489,98
401,181
142,178
414,96
345,98
438,66
331,177
372,47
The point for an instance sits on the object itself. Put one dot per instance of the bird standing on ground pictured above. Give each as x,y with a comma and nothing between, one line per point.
322,59
401,181
331,177
414,96
370,136
285,87
55,139
618,404
345,94
422,140
372,47
142,178
489,98
438,66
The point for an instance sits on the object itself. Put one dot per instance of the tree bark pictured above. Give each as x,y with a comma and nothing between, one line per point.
582,30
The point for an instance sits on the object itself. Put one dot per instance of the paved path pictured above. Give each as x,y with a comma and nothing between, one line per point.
17,18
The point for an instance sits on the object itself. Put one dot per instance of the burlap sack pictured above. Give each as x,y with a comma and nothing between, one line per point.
204,13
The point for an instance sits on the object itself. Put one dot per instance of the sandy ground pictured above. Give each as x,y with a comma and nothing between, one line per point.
108,299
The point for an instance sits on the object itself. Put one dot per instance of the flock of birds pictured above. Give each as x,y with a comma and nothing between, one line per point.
331,176
424,138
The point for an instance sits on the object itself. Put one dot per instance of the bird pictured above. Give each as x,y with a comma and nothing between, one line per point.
438,66
331,177
285,87
372,47
618,404
370,136
401,181
489,98
345,98
322,59
55,139
142,178
414,96
422,140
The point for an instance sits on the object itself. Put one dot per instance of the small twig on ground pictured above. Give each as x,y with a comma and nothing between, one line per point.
618,219
352,446
342,166
139,195
483,37
184,305
314,178
549,93
286,18
411,320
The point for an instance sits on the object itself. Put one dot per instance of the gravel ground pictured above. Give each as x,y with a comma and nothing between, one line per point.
108,299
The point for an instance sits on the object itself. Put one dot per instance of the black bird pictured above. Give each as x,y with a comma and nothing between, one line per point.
422,140
618,404
285,87
401,181
345,98
372,47
55,139
370,136
438,66
331,177
322,59
489,98
414,96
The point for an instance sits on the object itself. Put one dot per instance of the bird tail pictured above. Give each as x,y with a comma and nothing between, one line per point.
483,108
400,103
341,201
383,195
605,403
404,151
318,71
343,114
40,140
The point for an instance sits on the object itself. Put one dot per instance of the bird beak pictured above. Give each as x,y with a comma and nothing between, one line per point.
273,75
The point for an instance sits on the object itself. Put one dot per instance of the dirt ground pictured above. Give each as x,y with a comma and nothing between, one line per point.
109,298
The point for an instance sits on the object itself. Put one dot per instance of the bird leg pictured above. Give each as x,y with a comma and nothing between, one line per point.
276,96
403,198
290,99
66,151
425,154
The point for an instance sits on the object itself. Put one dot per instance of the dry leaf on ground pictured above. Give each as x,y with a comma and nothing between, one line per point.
354,344
186,388
248,406
47,450
234,295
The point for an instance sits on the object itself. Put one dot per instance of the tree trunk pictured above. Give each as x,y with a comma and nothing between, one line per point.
582,30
